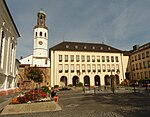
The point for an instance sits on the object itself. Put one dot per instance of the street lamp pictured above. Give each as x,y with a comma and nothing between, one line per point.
112,77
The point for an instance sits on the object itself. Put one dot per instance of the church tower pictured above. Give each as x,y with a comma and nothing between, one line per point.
40,49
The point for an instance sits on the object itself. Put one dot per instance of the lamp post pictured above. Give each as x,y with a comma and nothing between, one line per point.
112,82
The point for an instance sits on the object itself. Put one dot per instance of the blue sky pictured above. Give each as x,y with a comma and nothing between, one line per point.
118,23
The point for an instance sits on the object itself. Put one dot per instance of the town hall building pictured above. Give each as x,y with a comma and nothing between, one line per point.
88,63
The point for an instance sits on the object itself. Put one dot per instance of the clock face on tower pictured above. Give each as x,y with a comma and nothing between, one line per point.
40,42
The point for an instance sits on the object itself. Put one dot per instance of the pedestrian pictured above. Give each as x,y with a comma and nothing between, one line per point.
53,93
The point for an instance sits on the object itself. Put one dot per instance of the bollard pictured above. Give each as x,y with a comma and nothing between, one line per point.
94,90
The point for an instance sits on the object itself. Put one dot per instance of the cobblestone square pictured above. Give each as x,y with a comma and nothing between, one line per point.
75,104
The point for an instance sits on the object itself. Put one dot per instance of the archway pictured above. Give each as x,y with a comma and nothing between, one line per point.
97,80
117,79
107,80
75,80
86,81
64,80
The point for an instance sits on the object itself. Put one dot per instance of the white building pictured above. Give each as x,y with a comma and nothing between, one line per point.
40,49
8,42
89,63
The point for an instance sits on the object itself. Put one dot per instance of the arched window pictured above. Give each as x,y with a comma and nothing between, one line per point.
41,17
36,34
40,33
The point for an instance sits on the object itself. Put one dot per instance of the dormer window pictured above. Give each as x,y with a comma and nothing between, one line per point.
93,47
76,47
85,47
109,48
67,46
101,48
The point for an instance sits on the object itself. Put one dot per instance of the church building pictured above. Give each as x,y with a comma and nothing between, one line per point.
40,52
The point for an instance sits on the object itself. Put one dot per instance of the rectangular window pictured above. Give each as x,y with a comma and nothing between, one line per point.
136,66
112,58
78,67
117,66
135,57
88,67
60,68
83,58
139,56
1,46
88,58
99,68
132,59
144,64
143,55
93,58
66,58
72,58
140,65
103,58
66,68
117,60
133,67
72,68
77,58
46,61
83,68
113,67
103,67
98,58
147,54
60,58
94,68
148,63
107,58
12,57
108,68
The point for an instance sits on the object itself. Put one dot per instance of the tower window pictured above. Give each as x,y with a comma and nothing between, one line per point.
36,34
40,33
45,34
